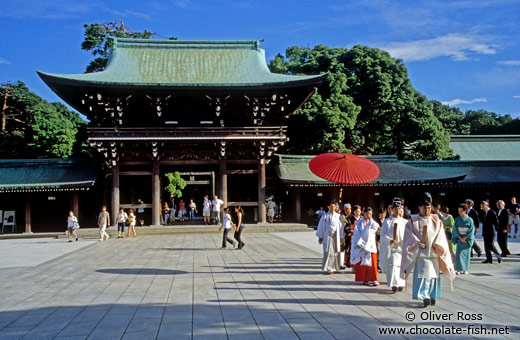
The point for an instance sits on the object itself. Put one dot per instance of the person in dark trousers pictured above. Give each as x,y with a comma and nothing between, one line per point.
503,220
239,227
474,216
489,228
227,224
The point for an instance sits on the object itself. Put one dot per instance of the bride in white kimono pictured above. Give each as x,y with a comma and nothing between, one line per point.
331,234
391,247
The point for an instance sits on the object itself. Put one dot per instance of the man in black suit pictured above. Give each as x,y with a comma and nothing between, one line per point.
473,214
489,228
503,220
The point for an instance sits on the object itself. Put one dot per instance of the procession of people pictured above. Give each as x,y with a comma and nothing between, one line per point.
414,249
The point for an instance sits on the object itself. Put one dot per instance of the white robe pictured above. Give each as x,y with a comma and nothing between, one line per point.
364,242
331,230
390,256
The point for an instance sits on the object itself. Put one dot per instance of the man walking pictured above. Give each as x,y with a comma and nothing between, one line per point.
103,222
426,253
503,220
489,229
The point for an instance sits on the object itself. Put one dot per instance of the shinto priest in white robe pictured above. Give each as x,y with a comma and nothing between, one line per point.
331,230
390,255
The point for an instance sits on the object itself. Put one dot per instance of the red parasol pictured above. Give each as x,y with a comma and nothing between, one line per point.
344,168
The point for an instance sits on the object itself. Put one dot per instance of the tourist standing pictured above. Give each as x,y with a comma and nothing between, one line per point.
121,222
503,221
463,235
391,248
425,253
131,221
319,213
206,210
514,211
215,209
364,250
182,210
193,209
72,225
448,222
166,213
227,224
271,206
239,227
489,229
103,223
173,209
331,234
473,214
140,212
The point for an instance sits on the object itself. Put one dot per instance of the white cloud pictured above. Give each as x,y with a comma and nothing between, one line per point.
4,61
462,101
457,46
517,97
509,62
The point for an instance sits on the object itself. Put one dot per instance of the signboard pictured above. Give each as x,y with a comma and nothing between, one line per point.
9,219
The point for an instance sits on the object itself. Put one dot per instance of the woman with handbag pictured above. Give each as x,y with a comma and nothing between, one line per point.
131,220
72,225
239,227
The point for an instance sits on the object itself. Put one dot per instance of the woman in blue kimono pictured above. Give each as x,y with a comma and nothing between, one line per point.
463,237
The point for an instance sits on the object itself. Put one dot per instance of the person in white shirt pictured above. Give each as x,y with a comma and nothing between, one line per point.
271,205
192,209
227,224
121,223
331,234
72,225
206,210
215,212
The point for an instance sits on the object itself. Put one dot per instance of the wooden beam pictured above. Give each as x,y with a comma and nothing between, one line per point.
135,173
75,204
223,181
242,172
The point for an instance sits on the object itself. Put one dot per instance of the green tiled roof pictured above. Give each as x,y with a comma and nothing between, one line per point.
478,172
46,174
293,169
486,148
178,63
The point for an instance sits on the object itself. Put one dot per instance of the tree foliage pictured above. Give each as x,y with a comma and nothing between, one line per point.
175,185
35,128
367,105
99,40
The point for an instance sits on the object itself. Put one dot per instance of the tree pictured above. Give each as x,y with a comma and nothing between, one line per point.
176,184
99,40
35,128
452,118
366,105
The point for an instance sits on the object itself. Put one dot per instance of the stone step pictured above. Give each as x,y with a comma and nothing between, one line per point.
195,229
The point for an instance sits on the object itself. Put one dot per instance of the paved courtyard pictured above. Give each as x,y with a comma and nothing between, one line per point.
184,287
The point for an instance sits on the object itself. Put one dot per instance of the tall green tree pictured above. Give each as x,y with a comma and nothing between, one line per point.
98,38
35,128
452,118
367,105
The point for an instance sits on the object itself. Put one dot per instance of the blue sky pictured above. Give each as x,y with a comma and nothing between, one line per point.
463,53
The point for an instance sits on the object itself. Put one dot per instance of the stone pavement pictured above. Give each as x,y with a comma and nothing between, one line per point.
184,287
